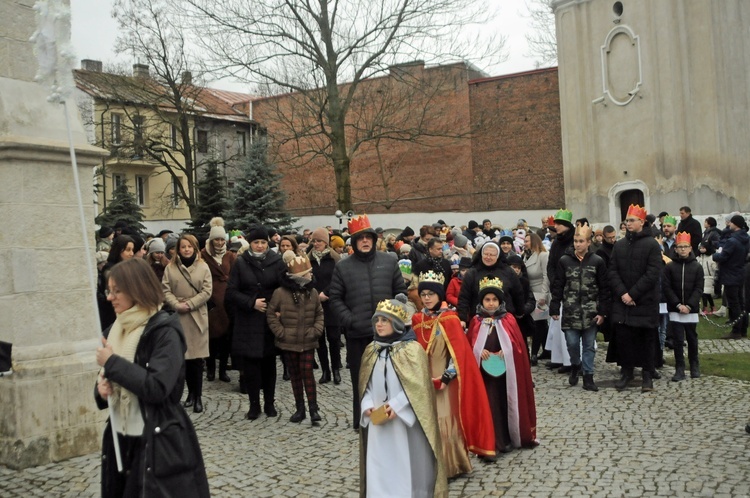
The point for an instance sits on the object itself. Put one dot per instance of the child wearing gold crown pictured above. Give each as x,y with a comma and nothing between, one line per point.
683,286
510,391
295,316
463,413
401,452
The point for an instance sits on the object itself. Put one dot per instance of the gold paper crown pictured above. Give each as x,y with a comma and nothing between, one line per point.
487,282
393,310
637,211
682,238
358,224
584,231
431,276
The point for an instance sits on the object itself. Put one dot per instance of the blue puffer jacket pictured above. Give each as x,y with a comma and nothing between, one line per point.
733,249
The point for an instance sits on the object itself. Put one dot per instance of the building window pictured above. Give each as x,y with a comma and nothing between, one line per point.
116,129
138,141
173,136
176,180
201,139
141,184
117,180
241,143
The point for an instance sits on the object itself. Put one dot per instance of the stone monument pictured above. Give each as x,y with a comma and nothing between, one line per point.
47,412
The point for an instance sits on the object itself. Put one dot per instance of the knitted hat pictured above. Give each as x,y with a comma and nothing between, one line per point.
460,240
432,281
172,239
454,261
156,245
394,310
407,232
472,225
739,221
321,234
406,248
257,233
599,232
506,236
336,242
217,229
105,232
465,263
296,265
491,284
514,259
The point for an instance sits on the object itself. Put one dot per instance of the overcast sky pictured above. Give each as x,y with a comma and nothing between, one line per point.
94,32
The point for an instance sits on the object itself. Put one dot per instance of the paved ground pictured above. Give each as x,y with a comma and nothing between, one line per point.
683,439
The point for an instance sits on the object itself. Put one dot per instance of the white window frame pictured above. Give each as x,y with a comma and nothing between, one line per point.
117,180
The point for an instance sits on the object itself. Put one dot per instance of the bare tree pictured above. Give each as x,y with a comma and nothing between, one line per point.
322,52
542,38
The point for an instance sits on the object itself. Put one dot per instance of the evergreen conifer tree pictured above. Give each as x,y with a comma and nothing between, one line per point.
257,197
122,207
211,200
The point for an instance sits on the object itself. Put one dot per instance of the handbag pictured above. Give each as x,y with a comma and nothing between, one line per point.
172,451
210,304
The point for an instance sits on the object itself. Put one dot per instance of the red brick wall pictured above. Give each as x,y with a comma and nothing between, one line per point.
516,128
517,143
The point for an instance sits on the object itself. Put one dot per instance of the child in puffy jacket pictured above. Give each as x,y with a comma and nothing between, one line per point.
454,286
710,268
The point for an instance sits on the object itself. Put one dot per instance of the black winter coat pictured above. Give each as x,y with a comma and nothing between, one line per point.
252,279
693,227
581,289
683,283
513,298
634,269
731,257
323,273
561,244
157,377
711,236
358,284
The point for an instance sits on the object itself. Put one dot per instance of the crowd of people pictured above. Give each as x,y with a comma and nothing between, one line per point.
441,327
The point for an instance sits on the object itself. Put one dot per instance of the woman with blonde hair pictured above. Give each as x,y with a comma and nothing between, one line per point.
142,380
535,256
187,286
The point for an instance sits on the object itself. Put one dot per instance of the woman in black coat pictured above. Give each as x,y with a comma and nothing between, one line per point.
323,260
143,375
254,277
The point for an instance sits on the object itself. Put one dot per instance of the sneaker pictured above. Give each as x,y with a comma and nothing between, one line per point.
721,312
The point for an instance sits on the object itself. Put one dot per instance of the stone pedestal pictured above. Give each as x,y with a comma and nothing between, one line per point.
47,412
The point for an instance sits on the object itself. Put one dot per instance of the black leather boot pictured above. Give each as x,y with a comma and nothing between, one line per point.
326,377
695,370
189,401
210,369
254,411
588,383
336,376
269,409
223,375
625,377
648,383
198,406
314,415
679,373
299,415
573,379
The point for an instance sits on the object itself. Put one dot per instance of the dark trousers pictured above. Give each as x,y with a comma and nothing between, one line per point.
540,336
708,301
194,376
300,367
260,373
734,297
219,350
682,330
355,347
636,346
332,336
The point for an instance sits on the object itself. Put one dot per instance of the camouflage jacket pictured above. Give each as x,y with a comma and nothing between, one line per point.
580,288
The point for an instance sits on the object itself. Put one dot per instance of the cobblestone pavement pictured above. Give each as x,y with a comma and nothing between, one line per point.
683,439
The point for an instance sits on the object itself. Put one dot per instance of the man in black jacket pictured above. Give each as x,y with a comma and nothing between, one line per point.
634,271
434,261
691,226
358,284
731,256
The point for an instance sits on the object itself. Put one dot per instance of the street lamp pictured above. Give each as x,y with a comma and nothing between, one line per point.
338,214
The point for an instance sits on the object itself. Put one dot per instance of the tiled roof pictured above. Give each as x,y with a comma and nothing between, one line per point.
208,102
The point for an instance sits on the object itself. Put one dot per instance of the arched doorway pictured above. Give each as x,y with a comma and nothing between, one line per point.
623,194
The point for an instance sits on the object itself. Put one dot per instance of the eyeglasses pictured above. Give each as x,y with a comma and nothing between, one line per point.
683,247
427,294
108,292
